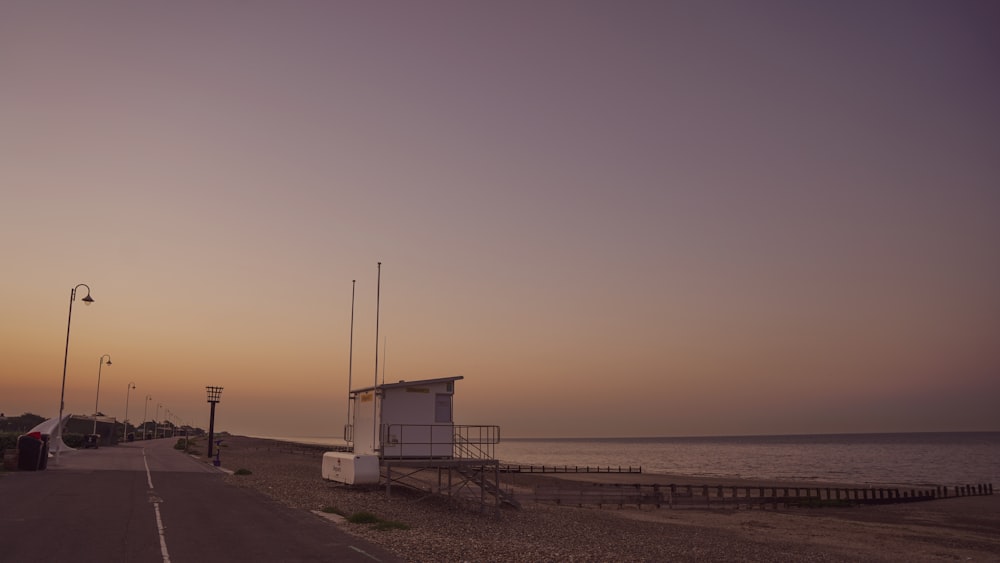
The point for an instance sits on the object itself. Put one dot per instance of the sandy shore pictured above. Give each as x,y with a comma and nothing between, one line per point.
440,529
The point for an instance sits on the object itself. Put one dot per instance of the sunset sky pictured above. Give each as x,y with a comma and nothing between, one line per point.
612,218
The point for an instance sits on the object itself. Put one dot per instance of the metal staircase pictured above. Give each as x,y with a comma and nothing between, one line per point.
477,475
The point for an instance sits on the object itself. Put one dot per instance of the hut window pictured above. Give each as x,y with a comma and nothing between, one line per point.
442,407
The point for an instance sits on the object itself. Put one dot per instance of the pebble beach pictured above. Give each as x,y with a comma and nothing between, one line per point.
432,528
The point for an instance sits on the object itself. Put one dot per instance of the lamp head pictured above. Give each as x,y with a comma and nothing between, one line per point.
108,363
213,393
88,299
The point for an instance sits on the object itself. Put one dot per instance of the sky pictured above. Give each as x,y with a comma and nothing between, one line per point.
611,218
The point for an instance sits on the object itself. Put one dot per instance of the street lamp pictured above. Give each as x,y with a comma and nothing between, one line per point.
156,421
87,300
213,397
100,364
131,386
145,420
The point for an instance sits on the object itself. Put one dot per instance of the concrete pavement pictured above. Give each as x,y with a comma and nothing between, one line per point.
146,502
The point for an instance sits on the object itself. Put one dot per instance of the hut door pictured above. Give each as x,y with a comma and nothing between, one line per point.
442,407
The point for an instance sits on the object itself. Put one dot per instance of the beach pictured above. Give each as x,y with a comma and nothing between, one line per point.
442,529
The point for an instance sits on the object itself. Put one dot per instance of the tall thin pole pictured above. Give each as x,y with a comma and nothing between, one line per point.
214,394
211,428
350,362
62,393
131,386
97,398
385,356
145,409
378,304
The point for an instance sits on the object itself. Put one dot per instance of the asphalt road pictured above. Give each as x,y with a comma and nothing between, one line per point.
147,502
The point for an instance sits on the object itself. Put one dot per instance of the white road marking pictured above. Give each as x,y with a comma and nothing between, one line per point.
363,552
156,507
149,478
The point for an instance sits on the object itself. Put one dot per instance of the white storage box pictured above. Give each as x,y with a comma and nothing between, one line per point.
351,469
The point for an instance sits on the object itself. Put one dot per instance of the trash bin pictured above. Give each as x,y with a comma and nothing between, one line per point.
29,452
130,437
43,460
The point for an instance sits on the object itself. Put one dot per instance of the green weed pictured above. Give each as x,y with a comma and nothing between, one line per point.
380,524
363,518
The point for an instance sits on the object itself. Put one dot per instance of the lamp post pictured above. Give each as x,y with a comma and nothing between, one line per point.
213,398
145,420
87,300
100,364
131,386
156,421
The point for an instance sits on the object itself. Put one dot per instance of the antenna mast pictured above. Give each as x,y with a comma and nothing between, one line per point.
350,362
378,305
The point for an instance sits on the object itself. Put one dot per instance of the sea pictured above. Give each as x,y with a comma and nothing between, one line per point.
932,458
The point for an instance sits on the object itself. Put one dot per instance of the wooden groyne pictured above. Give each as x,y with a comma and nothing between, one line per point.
511,468
736,497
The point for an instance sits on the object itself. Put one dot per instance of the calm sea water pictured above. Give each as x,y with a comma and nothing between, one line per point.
904,459
946,458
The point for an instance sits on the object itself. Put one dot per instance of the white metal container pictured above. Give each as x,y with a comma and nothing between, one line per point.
351,469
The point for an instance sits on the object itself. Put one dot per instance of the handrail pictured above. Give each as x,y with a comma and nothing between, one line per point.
451,441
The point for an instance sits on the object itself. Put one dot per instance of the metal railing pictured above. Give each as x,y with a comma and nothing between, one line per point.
439,441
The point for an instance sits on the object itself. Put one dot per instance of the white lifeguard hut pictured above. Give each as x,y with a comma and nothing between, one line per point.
406,419
410,424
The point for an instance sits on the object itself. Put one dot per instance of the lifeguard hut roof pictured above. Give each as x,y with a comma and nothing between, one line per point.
408,383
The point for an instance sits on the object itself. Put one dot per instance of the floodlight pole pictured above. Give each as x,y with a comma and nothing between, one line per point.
213,398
